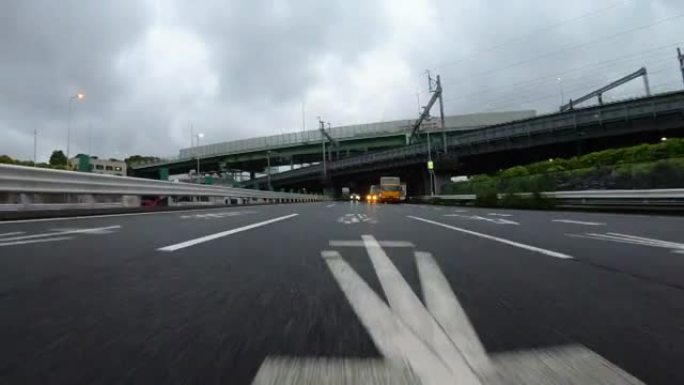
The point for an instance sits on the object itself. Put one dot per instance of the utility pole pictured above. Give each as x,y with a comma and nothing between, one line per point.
680,57
441,114
192,135
35,146
325,172
268,169
431,174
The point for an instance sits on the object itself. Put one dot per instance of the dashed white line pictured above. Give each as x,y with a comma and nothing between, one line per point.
536,249
14,243
96,230
222,234
99,216
572,221
331,205
500,215
12,233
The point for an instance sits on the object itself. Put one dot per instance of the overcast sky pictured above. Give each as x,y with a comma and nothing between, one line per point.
238,69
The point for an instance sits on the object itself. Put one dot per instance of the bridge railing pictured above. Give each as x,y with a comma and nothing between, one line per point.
28,188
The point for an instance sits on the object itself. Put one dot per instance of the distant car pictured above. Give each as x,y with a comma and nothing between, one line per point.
355,197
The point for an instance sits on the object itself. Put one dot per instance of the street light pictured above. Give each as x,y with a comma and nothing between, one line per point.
560,85
78,96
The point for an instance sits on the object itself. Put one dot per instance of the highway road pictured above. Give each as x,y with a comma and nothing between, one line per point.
376,294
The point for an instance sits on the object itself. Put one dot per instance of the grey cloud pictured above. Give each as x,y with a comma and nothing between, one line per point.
263,58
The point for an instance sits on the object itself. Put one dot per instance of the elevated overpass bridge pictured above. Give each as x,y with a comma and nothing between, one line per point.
500,145
303,148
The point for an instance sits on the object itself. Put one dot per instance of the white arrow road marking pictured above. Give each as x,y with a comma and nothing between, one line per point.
408,307
498,221
571,221
536,249
390,335
572,364
633,240
349,219
333,371
444,306
437,344
222,234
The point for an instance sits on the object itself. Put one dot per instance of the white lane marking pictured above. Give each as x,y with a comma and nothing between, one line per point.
333,371
331,205
408,352
14,243
398,339
390,335
498,221
217,215
443,304
96,230
571,221
211,237
99,216
404,302
500,215
633,240
540,250
349,219
12,233
459,210
573,364
363,244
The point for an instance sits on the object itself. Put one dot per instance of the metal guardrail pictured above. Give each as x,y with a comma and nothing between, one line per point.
20,179
651,197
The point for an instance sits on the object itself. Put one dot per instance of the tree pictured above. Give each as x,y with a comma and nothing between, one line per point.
133,159
58,158
6,159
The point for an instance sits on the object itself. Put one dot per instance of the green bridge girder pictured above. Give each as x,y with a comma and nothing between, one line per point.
256,161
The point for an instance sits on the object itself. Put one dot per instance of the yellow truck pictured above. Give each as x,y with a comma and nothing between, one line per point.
390,189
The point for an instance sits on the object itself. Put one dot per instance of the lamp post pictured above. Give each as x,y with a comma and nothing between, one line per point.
562,94
78,96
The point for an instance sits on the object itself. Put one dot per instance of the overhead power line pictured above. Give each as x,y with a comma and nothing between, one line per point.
534,32
572,47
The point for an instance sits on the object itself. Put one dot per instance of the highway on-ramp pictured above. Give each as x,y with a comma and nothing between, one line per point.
355,293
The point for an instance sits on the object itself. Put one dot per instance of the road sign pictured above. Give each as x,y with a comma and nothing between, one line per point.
431,165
